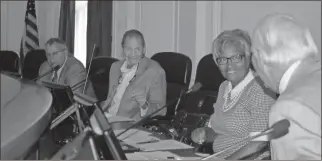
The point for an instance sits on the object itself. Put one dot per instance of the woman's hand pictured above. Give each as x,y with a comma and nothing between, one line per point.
203,135
198,135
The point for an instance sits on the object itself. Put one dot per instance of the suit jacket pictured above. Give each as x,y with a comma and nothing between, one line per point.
72,73
150,78
300,103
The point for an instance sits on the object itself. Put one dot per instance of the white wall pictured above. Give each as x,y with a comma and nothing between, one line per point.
12,22
181,26
186,27
189,27
245,14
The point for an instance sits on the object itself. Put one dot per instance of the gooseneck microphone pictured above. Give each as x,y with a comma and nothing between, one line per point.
277,130
89,67
50,71
103,123
194,88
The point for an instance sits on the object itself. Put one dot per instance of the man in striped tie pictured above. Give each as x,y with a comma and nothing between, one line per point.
71,71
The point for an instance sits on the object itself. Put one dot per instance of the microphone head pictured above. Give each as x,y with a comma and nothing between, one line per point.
280,125
195,87
280,129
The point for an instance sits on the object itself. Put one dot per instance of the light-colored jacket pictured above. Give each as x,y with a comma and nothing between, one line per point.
149,78
300,103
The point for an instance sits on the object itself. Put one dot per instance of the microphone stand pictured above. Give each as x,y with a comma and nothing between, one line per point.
194,88
51,70
145,118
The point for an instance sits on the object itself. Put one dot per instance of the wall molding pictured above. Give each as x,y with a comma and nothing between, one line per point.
114,29
176,17
217,18
4,25
208,26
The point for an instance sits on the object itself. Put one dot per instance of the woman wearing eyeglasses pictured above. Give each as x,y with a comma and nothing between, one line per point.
243,103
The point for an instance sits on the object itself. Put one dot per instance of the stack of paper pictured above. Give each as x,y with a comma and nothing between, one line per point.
112,118
161,155
134,136
157,155
164,145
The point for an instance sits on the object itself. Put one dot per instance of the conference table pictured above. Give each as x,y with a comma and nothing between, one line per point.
163,149
25,115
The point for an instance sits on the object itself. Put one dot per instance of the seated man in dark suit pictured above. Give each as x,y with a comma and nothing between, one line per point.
71,70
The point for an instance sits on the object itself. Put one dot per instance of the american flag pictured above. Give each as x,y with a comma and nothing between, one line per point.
29,40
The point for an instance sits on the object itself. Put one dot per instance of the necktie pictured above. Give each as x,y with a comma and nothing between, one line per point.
55,77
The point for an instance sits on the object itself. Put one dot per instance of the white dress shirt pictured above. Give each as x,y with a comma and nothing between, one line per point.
287,76
58,72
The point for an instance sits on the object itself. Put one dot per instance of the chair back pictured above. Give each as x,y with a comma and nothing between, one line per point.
9,61
99,75
208,74
32,63
178,74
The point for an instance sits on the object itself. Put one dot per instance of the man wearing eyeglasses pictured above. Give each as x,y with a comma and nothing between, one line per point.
71,71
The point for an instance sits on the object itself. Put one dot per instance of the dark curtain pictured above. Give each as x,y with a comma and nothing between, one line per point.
99,28
67,23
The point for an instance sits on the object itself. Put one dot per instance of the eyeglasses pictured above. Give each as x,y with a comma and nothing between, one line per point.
233,59
129,49
54,53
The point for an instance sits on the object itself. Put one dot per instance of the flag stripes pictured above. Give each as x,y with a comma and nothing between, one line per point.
29,40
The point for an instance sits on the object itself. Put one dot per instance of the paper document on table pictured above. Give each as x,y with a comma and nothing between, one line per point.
134,136
163,145
158,155
112,118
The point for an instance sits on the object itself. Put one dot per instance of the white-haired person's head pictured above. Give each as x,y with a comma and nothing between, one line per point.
278,41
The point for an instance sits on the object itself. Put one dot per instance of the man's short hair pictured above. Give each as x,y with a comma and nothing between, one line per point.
133,33
281,39
52,41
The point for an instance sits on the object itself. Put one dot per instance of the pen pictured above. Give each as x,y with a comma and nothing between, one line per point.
146,142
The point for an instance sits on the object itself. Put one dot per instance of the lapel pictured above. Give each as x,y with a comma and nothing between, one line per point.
143,64
64,70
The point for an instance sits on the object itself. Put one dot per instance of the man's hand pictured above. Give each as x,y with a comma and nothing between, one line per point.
141,98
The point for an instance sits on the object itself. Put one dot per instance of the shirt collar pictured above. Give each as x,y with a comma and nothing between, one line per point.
241,85
124,69
287,76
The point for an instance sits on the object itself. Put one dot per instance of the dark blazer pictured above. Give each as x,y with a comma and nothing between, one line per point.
300,103
72,73
150,78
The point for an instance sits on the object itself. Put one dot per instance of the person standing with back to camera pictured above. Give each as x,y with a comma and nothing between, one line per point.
288,61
